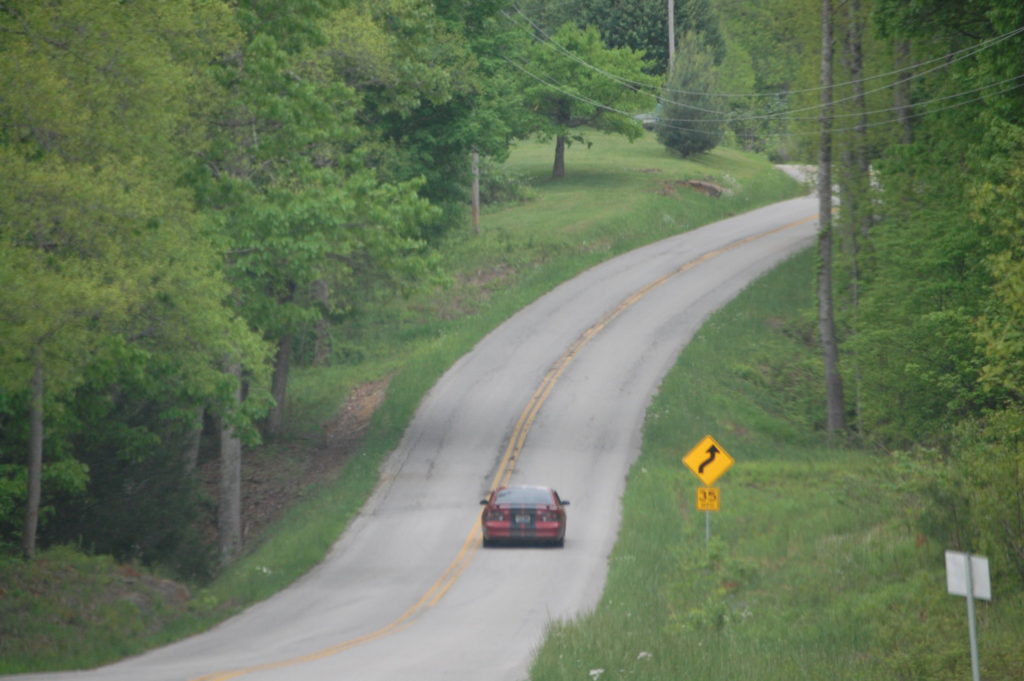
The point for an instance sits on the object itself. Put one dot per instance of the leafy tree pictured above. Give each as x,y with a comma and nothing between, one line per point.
997,492
289,184
781,36
691,120
94,100
782,39
567,94
142,501
640,25
935,337
433,85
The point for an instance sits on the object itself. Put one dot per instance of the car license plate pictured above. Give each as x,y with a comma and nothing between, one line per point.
523,519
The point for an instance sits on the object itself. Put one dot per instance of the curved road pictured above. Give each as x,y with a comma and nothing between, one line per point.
554,396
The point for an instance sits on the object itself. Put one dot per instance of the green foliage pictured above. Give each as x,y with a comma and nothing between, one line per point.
771,52
500,185
935,337
48,603
990,460
996,200
141,503
781,37
98,245
639,25
813,569
411,342
434,85
691,114
927,276
567,96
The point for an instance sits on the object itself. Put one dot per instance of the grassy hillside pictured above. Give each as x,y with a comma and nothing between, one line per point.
67,609
815,568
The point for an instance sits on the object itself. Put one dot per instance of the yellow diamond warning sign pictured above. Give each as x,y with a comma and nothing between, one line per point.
708,460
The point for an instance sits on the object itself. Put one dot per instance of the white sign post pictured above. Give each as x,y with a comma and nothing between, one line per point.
967,575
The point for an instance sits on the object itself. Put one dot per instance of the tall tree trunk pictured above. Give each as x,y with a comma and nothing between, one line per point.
279,387
229,510
858,214
35,456
857,204
322,344
826,314
194,436
559,169
901,92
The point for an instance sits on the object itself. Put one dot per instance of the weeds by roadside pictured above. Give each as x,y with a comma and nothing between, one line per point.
813,570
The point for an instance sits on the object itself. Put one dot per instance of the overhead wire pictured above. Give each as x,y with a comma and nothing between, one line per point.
855,114
730,117
669,122
946,59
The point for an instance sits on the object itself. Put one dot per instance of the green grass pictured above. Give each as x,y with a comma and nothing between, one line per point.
57,611
612,200
813,570
419,338
617,196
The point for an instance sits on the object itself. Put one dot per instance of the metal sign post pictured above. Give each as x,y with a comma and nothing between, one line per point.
708,499
967,575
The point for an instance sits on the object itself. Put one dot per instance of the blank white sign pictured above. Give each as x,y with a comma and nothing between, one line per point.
956,575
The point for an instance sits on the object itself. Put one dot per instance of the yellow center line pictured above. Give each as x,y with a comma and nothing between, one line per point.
516,443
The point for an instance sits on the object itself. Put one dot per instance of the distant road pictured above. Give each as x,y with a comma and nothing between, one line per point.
555,396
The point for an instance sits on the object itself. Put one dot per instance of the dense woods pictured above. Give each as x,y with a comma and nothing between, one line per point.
188,190
928,248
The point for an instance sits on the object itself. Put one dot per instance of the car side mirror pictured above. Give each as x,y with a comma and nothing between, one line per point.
565,502
483,502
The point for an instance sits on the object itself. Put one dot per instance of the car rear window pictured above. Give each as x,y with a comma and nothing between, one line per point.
524,495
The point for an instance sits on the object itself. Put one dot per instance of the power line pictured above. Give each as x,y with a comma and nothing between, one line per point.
922,114
731,117
855,114
1018,81
946,61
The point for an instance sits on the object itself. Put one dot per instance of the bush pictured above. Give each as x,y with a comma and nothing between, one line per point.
691,122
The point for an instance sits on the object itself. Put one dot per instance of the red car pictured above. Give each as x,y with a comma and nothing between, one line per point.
520,513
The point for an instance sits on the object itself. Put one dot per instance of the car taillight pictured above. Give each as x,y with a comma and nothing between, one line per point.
547,516
494,515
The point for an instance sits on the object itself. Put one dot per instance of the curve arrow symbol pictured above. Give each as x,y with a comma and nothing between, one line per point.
712,450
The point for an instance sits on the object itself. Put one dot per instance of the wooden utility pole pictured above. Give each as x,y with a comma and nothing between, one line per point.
671,33
476,191
35,456
826,314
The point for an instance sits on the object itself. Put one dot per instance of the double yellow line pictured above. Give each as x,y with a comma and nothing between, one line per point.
506,466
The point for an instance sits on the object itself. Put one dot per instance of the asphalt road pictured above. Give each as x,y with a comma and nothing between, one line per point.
555,396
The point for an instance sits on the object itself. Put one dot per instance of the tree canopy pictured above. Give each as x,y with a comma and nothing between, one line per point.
641,25
189,188
691,117
591,88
